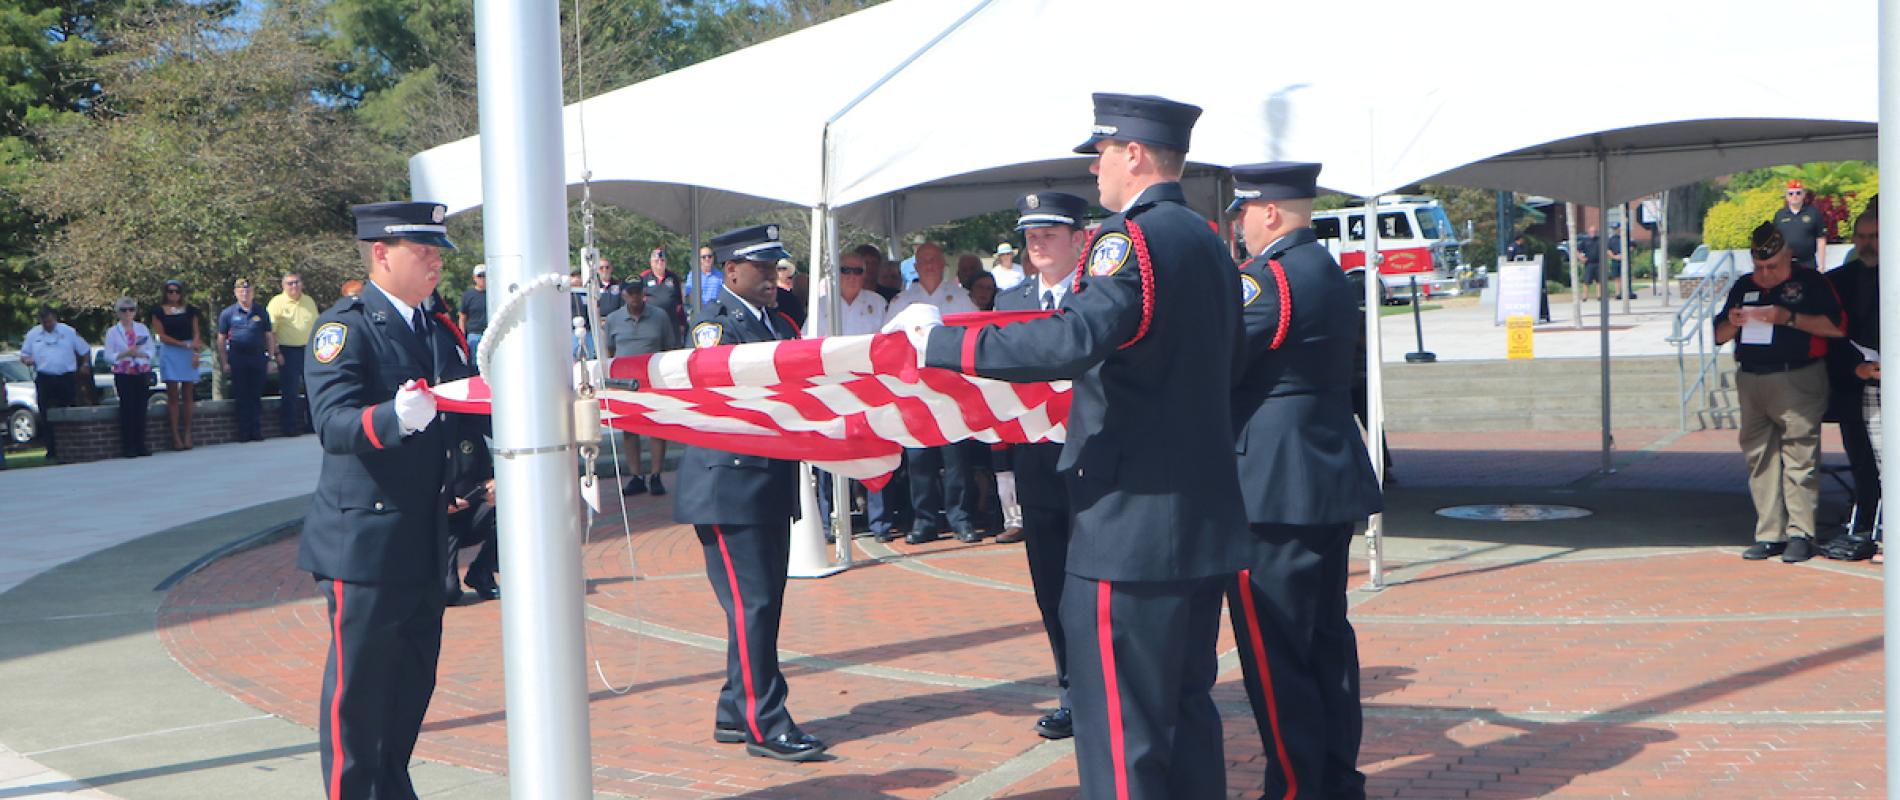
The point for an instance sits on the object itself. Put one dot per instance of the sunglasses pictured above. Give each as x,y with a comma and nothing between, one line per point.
1793,192
174,291
850,270
127,310
705,256
293,283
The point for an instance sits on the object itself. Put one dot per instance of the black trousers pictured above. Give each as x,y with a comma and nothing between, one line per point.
133,392
1844,407
889,509
467,529
1141,665
746,566
1300,660
1048,550
53,391
941,490
293,410
384,644
247,388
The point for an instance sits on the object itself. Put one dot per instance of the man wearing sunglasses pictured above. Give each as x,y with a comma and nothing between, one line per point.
1803,226
861,312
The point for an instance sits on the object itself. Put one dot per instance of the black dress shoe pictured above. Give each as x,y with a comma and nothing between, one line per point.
654,486
1056,724
1799,549
885,536
968,536
635,485
725,735
794,746
1762,550
921,537
1011,536
486,590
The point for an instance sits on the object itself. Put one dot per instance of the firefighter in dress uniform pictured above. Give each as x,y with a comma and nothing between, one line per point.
1307,481
1151,338
741,507
376,537
1051,224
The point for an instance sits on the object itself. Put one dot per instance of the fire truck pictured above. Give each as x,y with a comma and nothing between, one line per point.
1415,237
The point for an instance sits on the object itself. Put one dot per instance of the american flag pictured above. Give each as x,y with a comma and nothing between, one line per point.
847,404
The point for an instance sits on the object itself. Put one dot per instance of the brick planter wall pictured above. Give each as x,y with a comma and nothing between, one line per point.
91,433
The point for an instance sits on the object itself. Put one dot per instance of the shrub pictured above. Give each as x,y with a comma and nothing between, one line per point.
1730,222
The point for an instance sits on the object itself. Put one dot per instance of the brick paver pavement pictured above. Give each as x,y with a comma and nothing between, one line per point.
1587,672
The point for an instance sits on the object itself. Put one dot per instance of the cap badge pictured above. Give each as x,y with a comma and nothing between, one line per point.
771,232
1105,130
438,213
1033,202
327,342
1109,254
706,334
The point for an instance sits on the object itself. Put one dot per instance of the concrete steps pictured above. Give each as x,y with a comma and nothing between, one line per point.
1539,394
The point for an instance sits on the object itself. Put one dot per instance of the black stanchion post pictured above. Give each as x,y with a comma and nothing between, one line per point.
1421,355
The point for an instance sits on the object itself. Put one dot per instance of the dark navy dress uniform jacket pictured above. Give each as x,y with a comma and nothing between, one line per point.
717,487
1152,350
1302,459
380,512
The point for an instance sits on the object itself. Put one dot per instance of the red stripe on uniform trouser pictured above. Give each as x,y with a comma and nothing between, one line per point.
336,698
738,628
1105,638
1259,647
369,427
1286,305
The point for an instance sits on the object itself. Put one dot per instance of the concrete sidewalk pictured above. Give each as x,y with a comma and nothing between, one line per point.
1464,329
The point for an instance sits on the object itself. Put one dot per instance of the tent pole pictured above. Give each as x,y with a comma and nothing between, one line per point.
1375,393
518,53
1603,298
1629,271
890,230
1662,246
1576,288
1889,155
692,266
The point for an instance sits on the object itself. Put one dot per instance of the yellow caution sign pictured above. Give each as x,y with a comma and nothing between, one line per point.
1517,336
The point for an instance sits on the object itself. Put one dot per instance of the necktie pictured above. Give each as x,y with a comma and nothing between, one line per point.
1048,299
765,318
418,323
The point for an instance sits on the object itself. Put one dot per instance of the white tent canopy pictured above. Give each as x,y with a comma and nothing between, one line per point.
931,100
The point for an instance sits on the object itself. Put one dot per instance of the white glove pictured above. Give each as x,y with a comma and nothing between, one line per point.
916,320
415,408
1006,488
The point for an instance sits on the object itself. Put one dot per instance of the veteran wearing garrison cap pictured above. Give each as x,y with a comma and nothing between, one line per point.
377,535
1307,481
1150,335
741,508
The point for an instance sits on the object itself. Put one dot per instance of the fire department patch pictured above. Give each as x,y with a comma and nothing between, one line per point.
327,343
706,334
1249,289
1109,254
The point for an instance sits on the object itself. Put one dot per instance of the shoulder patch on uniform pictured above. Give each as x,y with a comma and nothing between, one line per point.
1109,254
1249,289
327,343
706,334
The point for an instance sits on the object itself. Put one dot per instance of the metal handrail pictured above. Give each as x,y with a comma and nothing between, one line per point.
1691,324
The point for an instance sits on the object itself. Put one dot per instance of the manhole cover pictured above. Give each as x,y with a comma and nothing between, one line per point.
1514,512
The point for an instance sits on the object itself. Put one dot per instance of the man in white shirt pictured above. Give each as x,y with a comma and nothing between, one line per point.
59,360
1005,271
861,312
942,493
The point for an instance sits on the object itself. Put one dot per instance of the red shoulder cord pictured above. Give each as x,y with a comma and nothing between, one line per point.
1142,262
459,338
1286,304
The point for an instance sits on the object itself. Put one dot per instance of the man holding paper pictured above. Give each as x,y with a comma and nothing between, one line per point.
1779,318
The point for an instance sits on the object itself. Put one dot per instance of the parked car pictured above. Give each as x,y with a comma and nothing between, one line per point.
23,407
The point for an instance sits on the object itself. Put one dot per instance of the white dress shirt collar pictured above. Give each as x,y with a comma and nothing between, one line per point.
404,310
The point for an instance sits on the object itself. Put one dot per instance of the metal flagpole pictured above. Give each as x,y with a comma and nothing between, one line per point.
1375,393
1603,298
834,307
1889,154
518,56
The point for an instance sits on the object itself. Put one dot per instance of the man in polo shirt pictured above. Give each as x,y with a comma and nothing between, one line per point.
1780,318
1803,226
57,356
246,346
292,315
942,485
637,329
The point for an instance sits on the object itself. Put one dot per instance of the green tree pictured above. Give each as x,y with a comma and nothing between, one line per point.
206,157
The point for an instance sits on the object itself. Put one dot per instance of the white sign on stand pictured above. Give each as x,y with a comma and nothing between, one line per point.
1519,288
